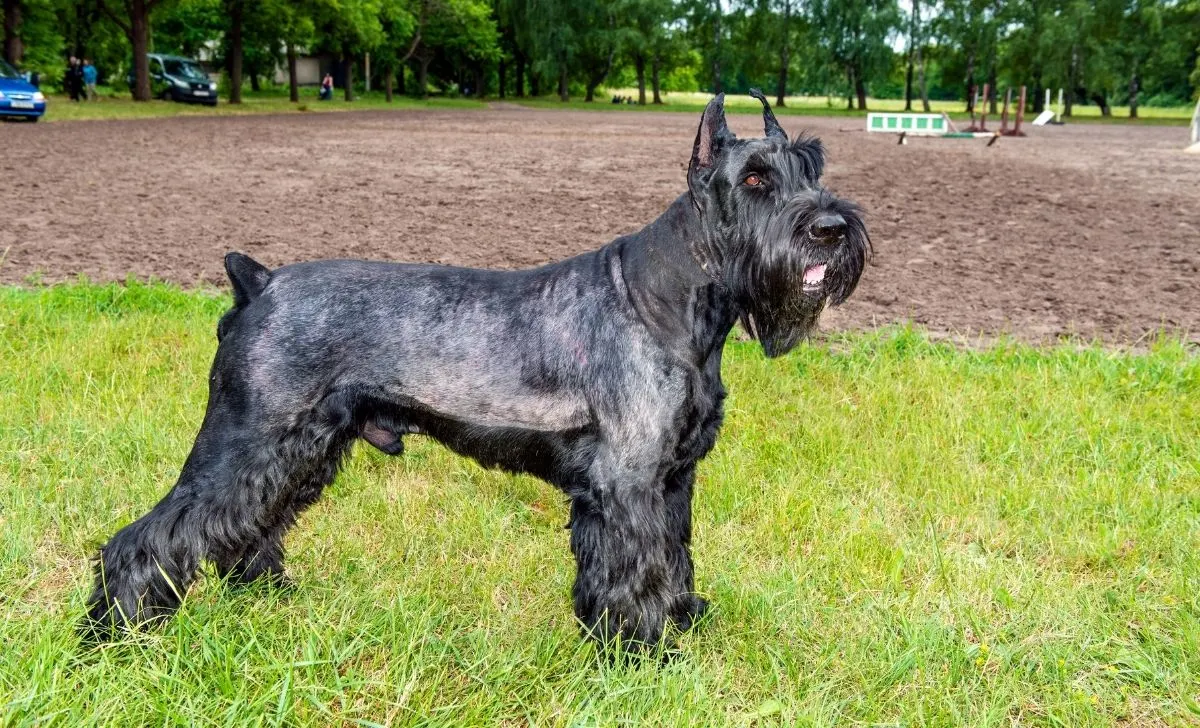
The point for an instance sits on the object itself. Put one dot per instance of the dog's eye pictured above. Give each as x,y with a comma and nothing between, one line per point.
752,181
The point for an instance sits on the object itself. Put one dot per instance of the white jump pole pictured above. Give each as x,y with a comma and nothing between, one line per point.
1195,148
1058,111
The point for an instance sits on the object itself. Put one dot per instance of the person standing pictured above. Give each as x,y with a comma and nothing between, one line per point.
89,79
73,80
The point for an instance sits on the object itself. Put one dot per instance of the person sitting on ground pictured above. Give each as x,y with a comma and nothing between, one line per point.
89,79
326,88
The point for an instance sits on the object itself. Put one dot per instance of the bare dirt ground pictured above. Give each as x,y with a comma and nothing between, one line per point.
1088,230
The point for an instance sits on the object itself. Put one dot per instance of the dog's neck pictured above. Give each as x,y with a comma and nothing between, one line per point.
668,285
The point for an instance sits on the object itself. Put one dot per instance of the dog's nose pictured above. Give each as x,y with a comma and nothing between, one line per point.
829,228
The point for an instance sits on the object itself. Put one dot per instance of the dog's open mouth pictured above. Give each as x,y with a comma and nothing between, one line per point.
814,277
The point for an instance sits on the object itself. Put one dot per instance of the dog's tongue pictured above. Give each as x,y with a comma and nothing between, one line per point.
814,274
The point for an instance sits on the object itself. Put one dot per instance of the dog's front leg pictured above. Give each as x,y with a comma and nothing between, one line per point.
687,606
620,538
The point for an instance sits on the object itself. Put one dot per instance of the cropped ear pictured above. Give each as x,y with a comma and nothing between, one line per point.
712,134
770,124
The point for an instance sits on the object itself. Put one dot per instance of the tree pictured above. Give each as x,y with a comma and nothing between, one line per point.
236,12
348,28
1140,32
854,33
458,35
599,40
135,22
646,31
785,51
971,27
292,20
13,50
401,34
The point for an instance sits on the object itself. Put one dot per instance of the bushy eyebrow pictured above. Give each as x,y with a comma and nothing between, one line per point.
778,161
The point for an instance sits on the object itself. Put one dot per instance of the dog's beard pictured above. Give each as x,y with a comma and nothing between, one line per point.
785,281
784,317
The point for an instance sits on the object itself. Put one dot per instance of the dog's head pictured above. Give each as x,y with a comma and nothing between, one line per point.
781,243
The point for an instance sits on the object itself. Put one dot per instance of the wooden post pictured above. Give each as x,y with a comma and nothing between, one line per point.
981,126
1004,114
983,112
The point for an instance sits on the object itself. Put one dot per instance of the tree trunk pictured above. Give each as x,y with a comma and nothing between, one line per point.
389,80
520,75
860,90
236,21
1070,95
785,55
13,50
1039,102
654,65
139,39
563,94
908,79
423,76
716,60
480,91
1101,99
293,83
912,42
971,82
254,84
535,84
921,80
995,91
1133,91
502,72
348,73
639,62
850,91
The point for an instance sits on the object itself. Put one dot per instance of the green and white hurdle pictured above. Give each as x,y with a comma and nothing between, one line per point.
895,122
905,124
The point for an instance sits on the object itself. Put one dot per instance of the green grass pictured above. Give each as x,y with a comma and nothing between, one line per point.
822,106
119,105
894,532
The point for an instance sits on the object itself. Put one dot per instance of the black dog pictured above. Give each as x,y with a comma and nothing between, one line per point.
600,374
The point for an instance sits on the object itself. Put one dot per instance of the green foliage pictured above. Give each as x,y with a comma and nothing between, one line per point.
1099,50
893,531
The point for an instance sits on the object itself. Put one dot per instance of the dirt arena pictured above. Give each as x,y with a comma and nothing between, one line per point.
1086,229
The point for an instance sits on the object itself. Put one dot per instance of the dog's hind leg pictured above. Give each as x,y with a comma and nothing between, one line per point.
242,474
262,559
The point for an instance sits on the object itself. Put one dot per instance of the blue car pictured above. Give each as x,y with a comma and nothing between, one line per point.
18,97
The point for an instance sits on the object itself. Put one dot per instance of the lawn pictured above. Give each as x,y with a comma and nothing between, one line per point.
893,531
119,105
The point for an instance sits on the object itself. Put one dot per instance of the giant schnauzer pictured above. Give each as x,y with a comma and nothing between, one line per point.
600,374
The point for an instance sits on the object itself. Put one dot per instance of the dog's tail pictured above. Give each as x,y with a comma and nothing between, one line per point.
249,278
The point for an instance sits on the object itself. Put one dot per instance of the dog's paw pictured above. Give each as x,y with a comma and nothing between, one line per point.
689,612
